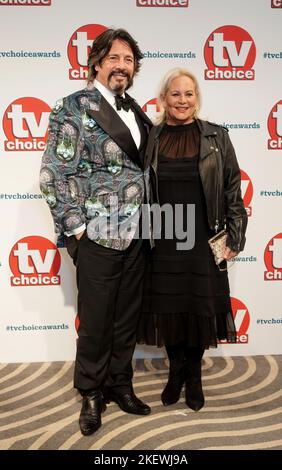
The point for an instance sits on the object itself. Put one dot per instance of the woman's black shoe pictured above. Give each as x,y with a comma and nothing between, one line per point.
172,390
194,396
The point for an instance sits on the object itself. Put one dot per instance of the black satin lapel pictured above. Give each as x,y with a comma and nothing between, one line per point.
143,130
145,126
150,148
111,123
143,116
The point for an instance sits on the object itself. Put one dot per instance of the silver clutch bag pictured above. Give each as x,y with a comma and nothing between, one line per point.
218,245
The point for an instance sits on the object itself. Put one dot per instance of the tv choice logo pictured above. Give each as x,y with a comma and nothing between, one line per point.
79,47
34,3
276,3
34,261
25,124
247,191
273,259
151,108
274,125
229,54
162,3
241,317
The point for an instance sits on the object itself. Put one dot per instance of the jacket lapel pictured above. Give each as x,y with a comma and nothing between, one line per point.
206,147
145,126
143,135
143,116
150,157
110,122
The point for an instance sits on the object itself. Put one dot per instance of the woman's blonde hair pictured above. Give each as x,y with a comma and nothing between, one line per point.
164,86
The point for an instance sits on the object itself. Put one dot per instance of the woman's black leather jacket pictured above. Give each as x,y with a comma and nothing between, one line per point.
221,180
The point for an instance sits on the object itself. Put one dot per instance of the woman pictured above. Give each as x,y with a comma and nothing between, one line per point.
186,302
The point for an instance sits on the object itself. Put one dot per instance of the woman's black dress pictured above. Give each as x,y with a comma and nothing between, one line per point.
186,297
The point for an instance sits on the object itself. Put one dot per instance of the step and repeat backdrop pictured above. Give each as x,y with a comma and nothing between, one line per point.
235,50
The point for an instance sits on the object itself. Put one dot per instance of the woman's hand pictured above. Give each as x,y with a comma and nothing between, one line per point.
229,254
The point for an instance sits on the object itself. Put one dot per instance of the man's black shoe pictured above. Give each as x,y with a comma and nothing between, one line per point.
128,402
90,415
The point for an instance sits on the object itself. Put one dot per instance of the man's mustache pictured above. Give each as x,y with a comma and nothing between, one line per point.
119,72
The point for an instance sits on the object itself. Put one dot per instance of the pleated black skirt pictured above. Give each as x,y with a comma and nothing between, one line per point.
186,297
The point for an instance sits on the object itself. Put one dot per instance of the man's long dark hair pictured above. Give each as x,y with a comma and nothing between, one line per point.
102,45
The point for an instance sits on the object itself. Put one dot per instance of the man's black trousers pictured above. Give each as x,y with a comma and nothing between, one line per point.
110,286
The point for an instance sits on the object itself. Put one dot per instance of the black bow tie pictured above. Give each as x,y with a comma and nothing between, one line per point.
125,103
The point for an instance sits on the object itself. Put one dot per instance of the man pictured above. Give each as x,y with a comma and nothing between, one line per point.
94,179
